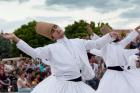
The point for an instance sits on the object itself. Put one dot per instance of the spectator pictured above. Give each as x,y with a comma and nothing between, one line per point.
22,83
4,82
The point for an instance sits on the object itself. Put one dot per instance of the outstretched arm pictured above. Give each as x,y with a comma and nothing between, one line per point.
34,53
130,52
130,37
101,42
96,52
24,47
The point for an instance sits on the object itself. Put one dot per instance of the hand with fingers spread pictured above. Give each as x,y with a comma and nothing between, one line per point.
11,36
114,35
138,29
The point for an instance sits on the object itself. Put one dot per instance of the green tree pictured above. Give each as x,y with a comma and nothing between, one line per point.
5,48
76,30
79,29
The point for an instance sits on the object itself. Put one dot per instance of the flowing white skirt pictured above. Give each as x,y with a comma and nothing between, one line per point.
127,81
52,85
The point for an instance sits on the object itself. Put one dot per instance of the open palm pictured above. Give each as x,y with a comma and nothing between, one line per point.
137,28
8,36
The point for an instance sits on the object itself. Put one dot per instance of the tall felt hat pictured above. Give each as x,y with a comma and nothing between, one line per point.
89,29
44,29
105,29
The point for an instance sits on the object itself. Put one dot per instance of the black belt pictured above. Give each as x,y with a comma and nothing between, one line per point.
76,79
117,68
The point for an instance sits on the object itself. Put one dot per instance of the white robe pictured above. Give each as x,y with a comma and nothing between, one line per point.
94,37
114,54
66,58
127,54
131,57
132,60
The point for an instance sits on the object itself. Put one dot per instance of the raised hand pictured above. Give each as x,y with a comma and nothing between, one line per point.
11,36
115,35
138,28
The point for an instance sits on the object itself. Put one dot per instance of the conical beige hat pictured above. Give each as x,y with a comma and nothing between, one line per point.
105,29
44,29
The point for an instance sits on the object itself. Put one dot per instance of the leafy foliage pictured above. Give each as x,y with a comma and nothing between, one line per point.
79,29
5,48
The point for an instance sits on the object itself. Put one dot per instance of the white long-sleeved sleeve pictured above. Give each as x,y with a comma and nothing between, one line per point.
34,53
94,37
131,36
99,43
96,52
130,52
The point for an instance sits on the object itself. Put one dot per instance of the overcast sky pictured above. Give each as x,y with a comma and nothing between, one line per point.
118,13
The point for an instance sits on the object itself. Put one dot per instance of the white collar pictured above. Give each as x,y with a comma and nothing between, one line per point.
64,39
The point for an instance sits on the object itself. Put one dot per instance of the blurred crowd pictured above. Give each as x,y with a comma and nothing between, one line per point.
22,74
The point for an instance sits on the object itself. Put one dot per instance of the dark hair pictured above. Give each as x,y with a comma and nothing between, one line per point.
30,70
138,54
20,73
90,55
